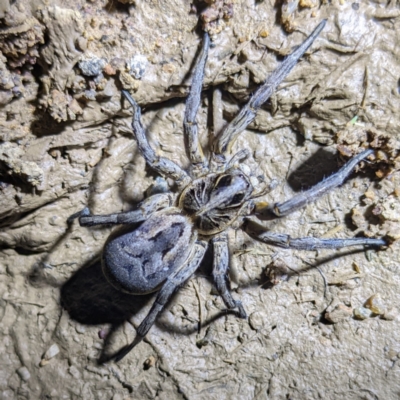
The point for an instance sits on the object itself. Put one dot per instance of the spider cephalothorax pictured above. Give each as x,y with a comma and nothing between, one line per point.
215,201
167,235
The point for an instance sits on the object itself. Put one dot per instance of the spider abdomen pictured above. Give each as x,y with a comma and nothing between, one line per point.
138,261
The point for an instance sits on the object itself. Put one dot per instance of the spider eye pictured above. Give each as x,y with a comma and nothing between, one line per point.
237,198
224,181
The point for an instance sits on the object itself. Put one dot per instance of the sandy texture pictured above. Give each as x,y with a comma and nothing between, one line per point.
66,144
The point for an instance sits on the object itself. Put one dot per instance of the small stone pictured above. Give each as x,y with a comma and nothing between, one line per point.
375,304
257,320
24,373
74,372
81,43
391,210
362,313
150,362
109,69
137,66
102,333
80,328
128,82
90,94
391,354
339,313
390,314
109,89
51,352
92,66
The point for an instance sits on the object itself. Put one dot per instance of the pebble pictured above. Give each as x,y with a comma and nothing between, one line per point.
51,352
92,66
257,320
150,362
362,313
24,373
80,328
137,66
376,304
338,313
390,314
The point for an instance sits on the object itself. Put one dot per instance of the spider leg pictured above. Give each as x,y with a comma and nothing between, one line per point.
173,282
220,273
161,164
247,114
190,128
147,207
307,243
335,180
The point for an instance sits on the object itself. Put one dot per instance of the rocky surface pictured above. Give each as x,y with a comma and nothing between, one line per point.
66,143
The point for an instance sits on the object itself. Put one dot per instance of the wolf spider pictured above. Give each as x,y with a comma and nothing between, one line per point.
164,251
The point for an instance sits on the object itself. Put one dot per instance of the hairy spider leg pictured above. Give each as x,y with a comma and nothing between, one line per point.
173,282
220,273
145,209
259,233
162,165
310,243
227,138
310,195
190,127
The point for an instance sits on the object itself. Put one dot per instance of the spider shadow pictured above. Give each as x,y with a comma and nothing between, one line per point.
123,184
315,169
319,166
91,300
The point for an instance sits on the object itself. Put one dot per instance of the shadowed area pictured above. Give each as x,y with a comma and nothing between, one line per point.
90,299
316,168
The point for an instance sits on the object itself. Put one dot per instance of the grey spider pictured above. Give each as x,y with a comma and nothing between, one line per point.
172,231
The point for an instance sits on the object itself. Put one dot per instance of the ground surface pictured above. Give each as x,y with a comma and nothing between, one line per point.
66,143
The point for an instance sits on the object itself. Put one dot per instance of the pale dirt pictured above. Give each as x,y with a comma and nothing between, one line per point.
67,144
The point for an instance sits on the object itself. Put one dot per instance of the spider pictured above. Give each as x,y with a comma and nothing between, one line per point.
172,230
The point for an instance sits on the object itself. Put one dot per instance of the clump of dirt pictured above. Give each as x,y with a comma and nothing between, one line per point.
387,147
215,14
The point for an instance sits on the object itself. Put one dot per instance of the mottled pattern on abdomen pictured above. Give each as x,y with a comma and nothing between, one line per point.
141,260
